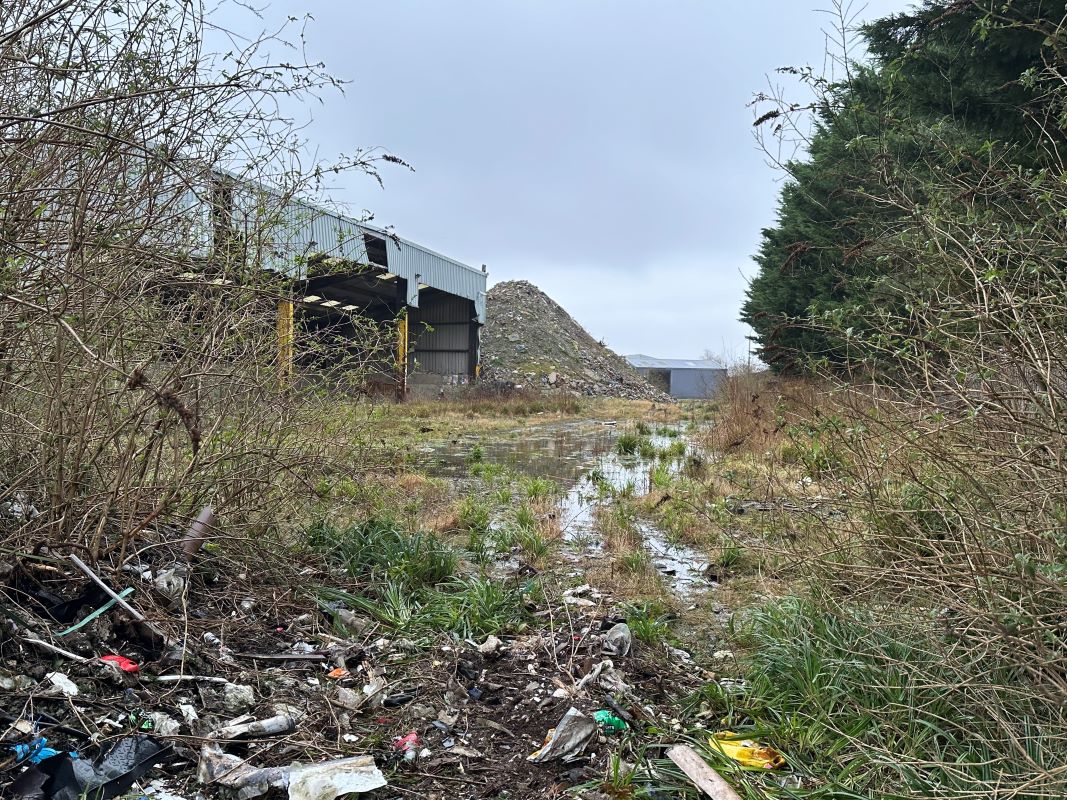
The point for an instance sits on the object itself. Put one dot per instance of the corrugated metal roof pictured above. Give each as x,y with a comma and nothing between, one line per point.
308,230
648,362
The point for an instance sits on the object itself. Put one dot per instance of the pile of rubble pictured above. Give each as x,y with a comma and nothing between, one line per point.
530,340
174,678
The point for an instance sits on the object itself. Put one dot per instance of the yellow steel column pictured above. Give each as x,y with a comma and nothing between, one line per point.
402,354
285,343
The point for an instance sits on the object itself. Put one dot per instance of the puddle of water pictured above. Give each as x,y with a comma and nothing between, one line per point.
581,458
560,451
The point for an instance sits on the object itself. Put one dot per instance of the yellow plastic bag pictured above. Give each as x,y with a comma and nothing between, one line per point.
746,751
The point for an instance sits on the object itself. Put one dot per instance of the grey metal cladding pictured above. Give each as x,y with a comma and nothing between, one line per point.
419,265
442,363
304,229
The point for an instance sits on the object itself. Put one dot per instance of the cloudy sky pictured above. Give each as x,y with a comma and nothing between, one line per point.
601,149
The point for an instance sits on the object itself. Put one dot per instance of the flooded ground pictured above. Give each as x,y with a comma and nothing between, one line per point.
583,459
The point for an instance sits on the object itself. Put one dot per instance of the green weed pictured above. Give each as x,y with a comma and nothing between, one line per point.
627,444
379,549
540,489
525,518
474,515
648,621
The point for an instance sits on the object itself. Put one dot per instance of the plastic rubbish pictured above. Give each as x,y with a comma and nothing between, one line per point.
408,745
233,773
111,592
746,751
373,692
332,779
618,640
36,751
338,674
568,740
94,614
67,777
170,584
608,722
237,697
324,781
348,698
283,721
63,683
162,724
489,646
397,700
199,531
122,663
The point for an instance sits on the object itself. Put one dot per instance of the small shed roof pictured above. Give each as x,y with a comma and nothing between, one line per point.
648,362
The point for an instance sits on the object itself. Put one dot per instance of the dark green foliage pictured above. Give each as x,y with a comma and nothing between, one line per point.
948,83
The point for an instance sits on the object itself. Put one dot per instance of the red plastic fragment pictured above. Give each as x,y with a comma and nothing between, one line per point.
122,663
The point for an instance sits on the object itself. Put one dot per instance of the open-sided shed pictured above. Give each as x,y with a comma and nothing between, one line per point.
341,267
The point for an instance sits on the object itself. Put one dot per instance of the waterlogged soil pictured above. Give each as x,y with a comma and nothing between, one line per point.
581,457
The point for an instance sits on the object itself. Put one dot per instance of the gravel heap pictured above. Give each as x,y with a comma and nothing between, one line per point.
529,340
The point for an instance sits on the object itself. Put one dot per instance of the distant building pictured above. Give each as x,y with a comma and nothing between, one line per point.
682,378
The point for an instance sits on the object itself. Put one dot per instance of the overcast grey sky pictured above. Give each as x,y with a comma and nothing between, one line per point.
601,149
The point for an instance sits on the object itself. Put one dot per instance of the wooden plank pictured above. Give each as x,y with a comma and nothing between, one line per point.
703,777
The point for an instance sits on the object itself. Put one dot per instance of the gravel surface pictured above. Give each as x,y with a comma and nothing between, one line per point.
529,340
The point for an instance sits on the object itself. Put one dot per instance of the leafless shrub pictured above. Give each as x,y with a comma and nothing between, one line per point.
139,371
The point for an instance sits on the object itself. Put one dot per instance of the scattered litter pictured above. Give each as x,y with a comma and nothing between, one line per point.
63,683
703,776
466,752
53,649
332,779
373,692
199,531
111,592
574,596
284,721
163,724
66,777
581,602
233,773
746,751
677,654
618,640
122,663
489,646
608,722
408,745
169,584
338,674
349,698
399,699
94,614
237,697
35,752
568,740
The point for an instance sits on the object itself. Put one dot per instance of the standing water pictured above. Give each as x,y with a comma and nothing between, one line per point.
583,459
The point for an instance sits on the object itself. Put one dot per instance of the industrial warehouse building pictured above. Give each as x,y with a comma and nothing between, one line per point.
345,272
682,378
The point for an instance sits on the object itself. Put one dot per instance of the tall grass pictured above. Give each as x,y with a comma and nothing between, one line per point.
878,710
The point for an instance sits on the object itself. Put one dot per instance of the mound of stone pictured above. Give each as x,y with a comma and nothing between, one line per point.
529,340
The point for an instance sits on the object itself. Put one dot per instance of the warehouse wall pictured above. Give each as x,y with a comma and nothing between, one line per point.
444,333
